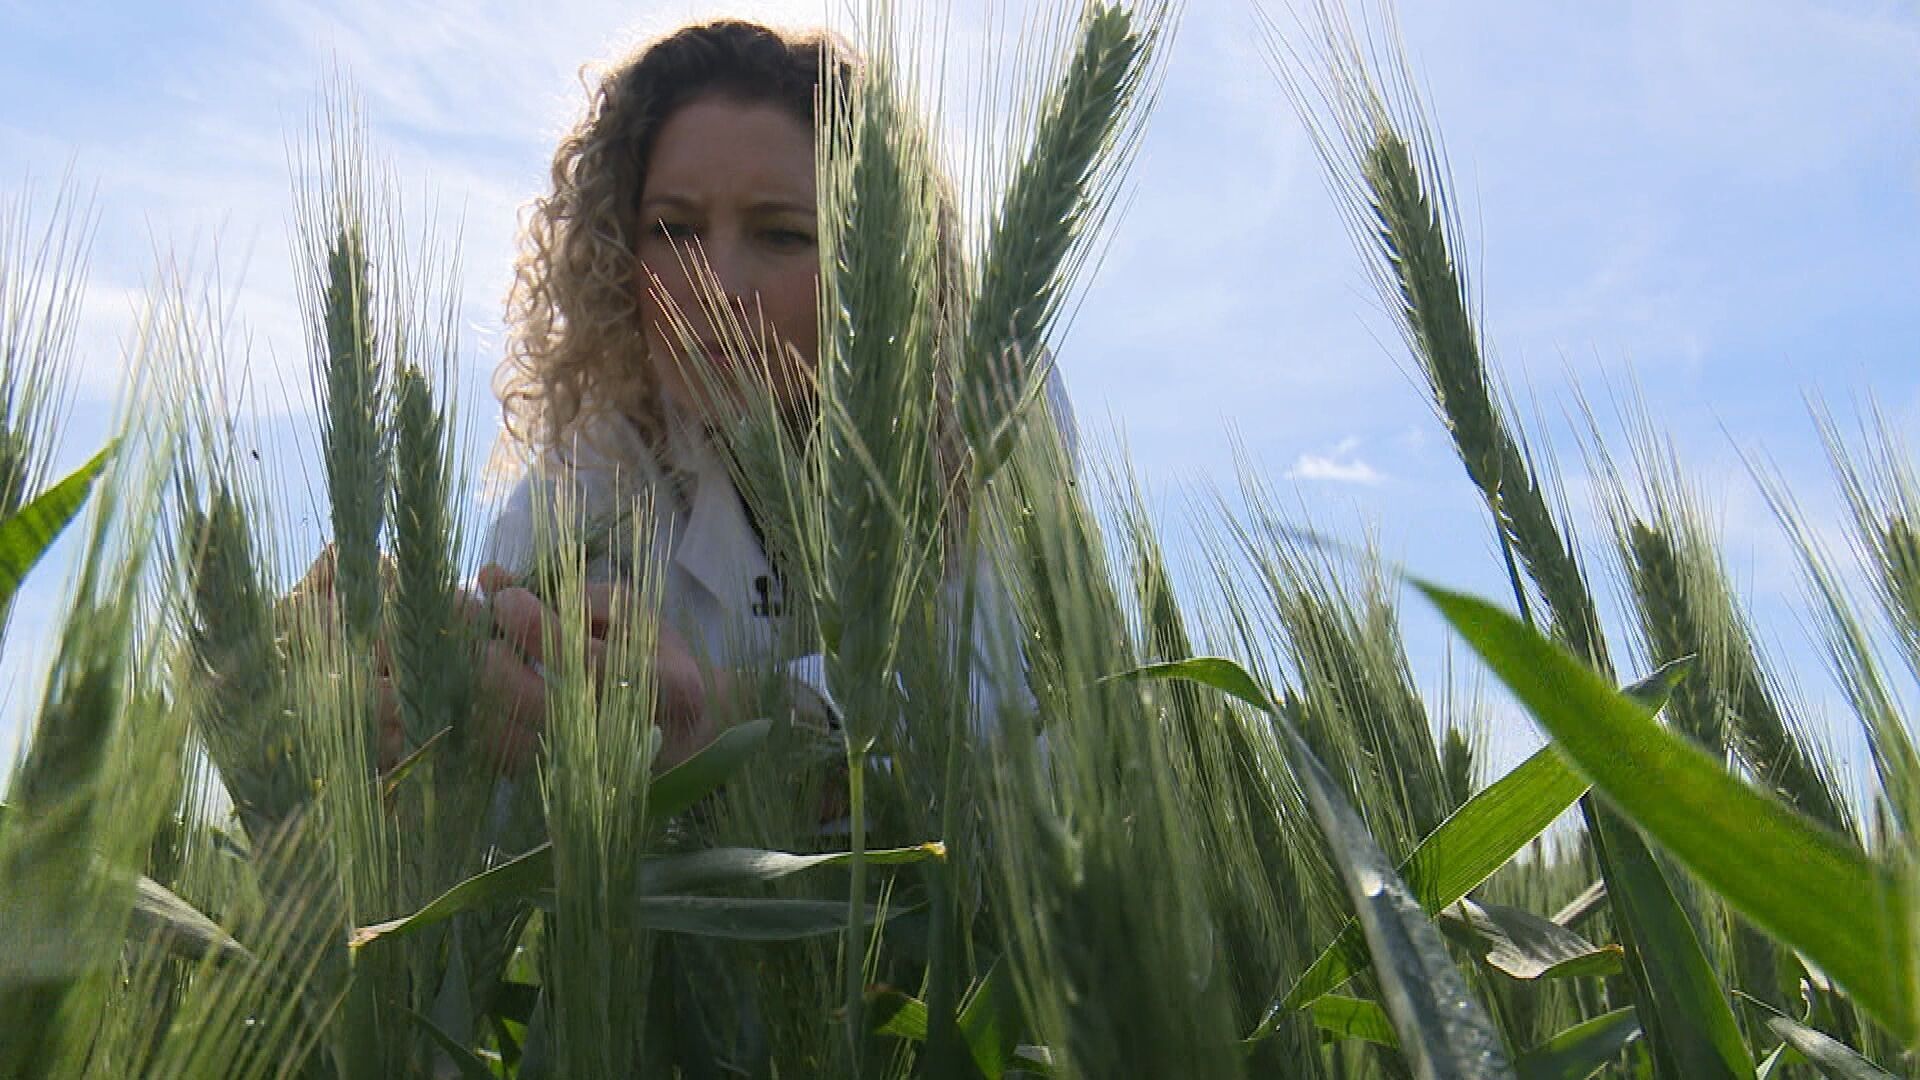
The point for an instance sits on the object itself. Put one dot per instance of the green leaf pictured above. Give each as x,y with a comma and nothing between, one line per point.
515,1000
893,1012
675,791
1443,1031
748,918
1522,945
27,535
1759,855
1462,852
1834,1059
530,878
1218,672
1686,1016
464,1059
1034,1061
982,1022
44,951
522,878
987,1024
1689,1024
1353,1018
391,780
1581,1050
187,932
731,867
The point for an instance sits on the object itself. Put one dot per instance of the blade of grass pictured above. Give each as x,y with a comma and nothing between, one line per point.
1463,852
732,867
187,932
1581,1050
1696,1030
752,918
1762,857
26,536
522,878
1466,849
674,792
1354,1018
530,878
988,1024
1443,1031
1835,1059
469,1064
891,1012
1522,945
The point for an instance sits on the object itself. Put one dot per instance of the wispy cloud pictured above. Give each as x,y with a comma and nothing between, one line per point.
1340,466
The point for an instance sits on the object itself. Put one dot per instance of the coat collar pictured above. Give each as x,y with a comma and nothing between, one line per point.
716,546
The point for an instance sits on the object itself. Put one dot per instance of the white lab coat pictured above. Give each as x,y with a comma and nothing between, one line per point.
720,591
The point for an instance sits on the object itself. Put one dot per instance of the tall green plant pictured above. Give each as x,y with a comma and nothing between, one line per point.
1394,197
42,262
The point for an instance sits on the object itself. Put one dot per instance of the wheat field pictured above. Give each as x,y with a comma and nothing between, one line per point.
1148,833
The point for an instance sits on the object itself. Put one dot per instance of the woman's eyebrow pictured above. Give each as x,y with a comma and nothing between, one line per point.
673,200
669,201
784,205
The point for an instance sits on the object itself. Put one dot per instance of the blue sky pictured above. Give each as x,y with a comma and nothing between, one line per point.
1716,202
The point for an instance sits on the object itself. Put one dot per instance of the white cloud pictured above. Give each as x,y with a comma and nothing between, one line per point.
1341,465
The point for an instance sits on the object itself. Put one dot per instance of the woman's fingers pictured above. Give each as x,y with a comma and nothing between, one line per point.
603,607
473,608
689,696
520,619
511,683
519,695
493,577
519,627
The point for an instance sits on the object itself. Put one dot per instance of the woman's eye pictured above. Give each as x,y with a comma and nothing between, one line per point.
790,239
676,231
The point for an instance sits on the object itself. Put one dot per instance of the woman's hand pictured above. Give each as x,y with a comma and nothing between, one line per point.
685,695
511,626
316,587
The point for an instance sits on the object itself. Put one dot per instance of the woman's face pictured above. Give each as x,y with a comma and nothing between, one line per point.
730,187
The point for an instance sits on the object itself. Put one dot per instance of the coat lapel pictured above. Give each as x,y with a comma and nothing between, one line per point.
718,548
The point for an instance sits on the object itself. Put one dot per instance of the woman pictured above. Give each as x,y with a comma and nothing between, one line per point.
698,149
699,143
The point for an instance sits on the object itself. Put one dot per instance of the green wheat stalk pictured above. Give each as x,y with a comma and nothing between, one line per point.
1057,194
232,638
430,657
1881,485
880,490
42,265
339,214
600,743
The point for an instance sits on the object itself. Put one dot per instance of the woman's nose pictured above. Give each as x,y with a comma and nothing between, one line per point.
729,272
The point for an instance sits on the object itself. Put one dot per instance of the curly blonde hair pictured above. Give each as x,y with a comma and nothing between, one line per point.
576,345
